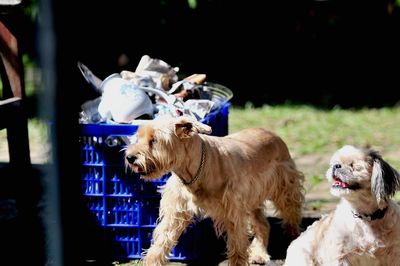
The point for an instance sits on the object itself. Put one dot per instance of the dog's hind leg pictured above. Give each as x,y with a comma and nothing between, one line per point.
290,198
258,248
290,212
175,216
237,238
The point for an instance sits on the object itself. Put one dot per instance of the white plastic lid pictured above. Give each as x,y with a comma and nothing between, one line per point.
123,101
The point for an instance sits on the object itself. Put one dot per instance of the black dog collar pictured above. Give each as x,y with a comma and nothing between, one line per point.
378,214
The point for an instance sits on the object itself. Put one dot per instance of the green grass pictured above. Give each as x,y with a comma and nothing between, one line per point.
313,134
38,141
308,130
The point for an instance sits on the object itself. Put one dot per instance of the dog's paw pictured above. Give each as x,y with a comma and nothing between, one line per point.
152,260
259,256
274,263
224,263
262,259
258,253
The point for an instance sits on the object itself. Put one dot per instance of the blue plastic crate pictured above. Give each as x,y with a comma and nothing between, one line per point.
123,203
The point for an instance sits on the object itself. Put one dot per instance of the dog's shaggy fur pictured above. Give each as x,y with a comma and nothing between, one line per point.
364,229
226,178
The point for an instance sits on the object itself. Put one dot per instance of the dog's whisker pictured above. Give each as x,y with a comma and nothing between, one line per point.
126,168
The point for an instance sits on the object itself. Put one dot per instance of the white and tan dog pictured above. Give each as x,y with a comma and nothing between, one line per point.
226,178
364,229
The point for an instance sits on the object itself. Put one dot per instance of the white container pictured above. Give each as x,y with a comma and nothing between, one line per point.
122,101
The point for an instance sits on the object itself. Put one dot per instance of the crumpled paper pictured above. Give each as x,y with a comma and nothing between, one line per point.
151,72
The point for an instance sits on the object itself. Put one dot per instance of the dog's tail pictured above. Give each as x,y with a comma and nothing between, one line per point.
290,201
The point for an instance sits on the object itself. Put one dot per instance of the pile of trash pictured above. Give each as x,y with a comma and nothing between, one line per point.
150,92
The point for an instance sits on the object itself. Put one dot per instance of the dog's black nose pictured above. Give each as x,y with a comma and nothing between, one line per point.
130,158
337,166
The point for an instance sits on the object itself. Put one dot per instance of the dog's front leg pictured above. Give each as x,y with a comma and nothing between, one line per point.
165,237
175,216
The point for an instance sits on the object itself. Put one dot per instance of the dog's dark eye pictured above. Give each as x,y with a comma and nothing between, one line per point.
152,142
358,168
351,164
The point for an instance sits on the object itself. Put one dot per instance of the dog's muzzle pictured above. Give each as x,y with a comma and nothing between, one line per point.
137,168
337,173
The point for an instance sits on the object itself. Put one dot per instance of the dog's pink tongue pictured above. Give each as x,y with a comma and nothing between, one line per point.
137,169
340,183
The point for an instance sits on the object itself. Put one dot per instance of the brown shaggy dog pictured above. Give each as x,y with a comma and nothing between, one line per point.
226,178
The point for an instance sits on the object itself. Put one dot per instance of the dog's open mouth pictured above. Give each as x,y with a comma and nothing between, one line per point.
337,182
137,169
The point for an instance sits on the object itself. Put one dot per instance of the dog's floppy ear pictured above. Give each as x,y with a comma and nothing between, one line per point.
185,127
385,180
